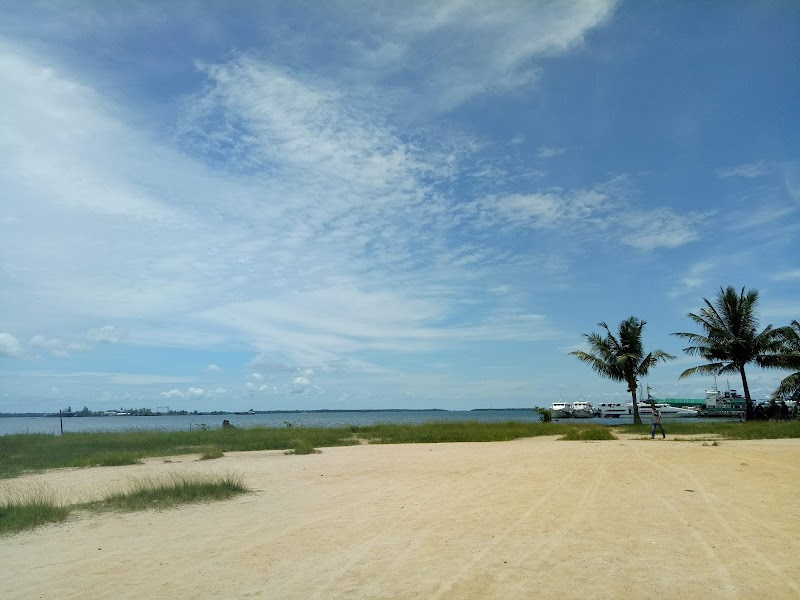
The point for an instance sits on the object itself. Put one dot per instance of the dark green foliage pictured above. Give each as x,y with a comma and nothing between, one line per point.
789,388
730,339
621,357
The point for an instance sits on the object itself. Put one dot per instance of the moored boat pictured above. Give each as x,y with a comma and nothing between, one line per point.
612,409
561,409
625,409
582,410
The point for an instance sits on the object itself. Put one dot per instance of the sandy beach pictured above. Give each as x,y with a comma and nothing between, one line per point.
534,518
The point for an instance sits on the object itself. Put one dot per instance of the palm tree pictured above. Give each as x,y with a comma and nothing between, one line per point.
730,339
789,388
621,358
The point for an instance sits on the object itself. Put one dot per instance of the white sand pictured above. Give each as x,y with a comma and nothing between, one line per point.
536,518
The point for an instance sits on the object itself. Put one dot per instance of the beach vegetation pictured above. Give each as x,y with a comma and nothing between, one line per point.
29,508
589,433
170,490
211,453
730,339
729,430
622,357
21,453
789,387
471,431
302,446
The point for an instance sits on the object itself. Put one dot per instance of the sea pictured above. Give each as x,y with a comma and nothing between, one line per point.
53,425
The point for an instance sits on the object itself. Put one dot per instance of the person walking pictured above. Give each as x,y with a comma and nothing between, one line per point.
657,423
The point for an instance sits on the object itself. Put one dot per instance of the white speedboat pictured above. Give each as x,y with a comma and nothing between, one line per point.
667,411
561,409
612,409
625,409
582,410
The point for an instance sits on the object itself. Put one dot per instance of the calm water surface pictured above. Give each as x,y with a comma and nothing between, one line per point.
51,425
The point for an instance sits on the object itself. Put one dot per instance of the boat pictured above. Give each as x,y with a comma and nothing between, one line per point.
612,409
625,409
561,409
667,411
582,410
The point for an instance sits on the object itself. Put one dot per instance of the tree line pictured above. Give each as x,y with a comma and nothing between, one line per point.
728,340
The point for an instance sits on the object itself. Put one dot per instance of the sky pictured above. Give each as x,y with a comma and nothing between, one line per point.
348,204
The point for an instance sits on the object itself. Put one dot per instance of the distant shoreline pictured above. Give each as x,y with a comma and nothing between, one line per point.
258,412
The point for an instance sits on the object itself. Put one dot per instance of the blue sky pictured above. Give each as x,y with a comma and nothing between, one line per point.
278,205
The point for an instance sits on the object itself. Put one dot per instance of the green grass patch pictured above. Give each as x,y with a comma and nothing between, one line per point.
21,453
211,453
589,433
731,430
167,491
472,431
110,459
30,508
302,446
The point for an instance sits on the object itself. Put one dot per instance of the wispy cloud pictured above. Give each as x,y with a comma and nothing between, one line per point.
791,275
748,170
549,152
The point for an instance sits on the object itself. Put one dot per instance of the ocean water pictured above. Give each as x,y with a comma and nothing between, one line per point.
52,425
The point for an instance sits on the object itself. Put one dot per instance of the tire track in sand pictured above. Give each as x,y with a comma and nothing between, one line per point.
712,503
723,573
541,551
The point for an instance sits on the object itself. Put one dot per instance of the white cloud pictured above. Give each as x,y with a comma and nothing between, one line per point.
142,379
603,212
549,152
659,228
173,393
255,376
787,275
212,368
480,48
55,346
9,346
749,170
104,335
194,392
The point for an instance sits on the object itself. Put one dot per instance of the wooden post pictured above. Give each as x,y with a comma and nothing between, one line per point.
61,418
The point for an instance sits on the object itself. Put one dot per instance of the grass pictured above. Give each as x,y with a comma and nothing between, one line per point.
731,430
472,431
589,433
38,506
173,489
211,453
30,508
302,446
22,453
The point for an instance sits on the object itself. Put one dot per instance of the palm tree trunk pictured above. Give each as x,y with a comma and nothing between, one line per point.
748,410
637,420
